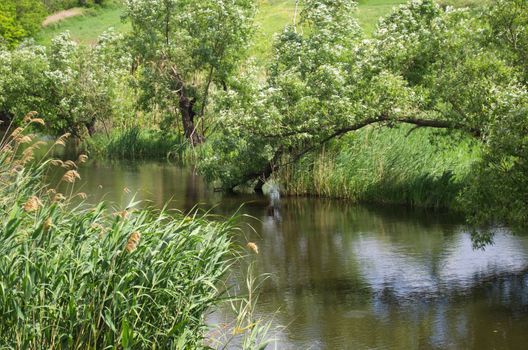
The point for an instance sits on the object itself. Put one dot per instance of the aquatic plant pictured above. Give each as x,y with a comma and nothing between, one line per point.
385,165
137,143
78,276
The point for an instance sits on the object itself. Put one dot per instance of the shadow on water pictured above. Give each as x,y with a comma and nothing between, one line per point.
344,276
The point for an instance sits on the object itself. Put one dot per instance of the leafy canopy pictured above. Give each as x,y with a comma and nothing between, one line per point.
183,48
459,70
19,19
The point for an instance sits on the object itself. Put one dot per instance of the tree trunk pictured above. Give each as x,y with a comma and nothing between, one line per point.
187,113
186,107
90,126
5,120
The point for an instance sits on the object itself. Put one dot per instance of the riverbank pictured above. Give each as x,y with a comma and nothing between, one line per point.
386,166
340,256
395,166
99,275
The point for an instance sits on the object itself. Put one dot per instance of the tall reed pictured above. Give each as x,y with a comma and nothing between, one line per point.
136,143
93,277
386,165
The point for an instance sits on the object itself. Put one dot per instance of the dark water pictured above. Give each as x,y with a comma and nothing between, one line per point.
344,276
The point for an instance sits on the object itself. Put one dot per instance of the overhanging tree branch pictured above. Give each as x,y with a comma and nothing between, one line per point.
273,166
429,123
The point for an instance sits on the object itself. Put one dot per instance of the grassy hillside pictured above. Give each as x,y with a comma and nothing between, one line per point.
273,15
88,26
369,12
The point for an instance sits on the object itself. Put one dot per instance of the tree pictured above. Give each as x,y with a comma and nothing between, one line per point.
185,48
19,19
322,84
508,23
425,66
71,86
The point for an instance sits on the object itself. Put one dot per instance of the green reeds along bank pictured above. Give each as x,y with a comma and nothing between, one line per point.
137,143
387,166
89,277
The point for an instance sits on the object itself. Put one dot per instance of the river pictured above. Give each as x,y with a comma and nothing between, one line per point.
344,276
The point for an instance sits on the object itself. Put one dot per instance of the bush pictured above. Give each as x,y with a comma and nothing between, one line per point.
19,19
57,5
75,88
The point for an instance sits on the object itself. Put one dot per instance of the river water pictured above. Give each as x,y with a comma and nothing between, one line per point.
344,276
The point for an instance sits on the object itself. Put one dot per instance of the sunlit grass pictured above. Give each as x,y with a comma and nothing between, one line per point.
386,165
370,11
271,18
88,27
136,143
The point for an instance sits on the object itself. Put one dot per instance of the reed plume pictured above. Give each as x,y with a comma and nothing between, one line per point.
253,247
133,241
82,159
62,139
69,165
32,204
71,176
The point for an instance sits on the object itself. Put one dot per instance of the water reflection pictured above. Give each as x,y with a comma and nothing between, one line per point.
355,277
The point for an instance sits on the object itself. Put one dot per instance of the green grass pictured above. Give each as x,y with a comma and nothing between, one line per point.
272,16
386,165
136,143
370,11
88,27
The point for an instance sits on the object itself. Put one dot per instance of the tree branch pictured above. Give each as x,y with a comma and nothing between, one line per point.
263,175
430,123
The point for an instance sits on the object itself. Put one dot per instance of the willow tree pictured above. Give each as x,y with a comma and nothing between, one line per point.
425,66
185,48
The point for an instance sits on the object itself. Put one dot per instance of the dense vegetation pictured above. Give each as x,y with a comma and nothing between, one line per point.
19,19
423,67
444,88
427,109
77,276
56,5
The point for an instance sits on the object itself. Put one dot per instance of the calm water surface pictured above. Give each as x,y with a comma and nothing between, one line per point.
344,276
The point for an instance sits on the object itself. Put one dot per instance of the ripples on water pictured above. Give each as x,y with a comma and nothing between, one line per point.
352,277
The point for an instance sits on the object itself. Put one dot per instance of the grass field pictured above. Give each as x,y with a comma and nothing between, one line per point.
370,11
272,16
86,28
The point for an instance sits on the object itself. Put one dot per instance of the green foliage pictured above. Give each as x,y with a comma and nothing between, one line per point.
385,165
508,21
498,191
57,5
185,48
313,88
425,65
476,80
81,276
73,87
19,19
138,143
